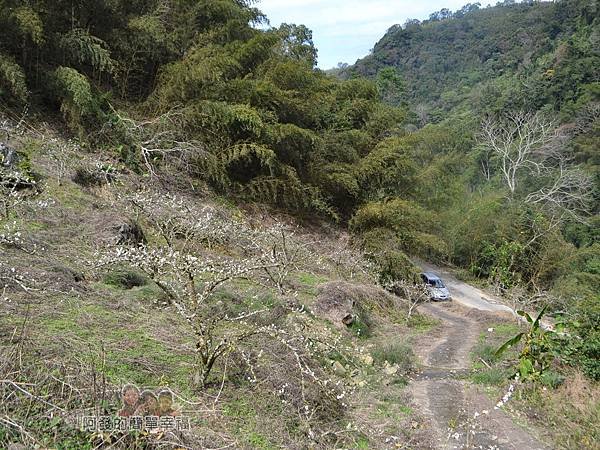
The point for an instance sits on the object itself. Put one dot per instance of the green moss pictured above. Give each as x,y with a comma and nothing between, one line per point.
363,443
259,441
132,354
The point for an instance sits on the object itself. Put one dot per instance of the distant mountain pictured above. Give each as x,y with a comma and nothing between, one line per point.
550,48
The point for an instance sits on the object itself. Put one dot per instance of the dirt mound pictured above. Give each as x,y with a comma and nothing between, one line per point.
341,301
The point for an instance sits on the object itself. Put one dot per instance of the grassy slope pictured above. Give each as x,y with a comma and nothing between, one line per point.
76,336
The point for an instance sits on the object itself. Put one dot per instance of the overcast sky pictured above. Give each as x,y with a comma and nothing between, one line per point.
345,30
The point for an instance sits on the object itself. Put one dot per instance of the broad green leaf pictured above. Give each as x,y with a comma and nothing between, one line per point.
524,314
525,367
508,344
536,324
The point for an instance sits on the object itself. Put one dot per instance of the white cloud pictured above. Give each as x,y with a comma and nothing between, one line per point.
345,30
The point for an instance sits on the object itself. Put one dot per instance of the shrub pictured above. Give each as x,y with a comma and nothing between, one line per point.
12,79
395,353
380,245
125,278
362,324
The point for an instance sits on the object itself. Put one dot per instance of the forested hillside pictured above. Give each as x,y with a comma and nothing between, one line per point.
198,86
525,55
512,91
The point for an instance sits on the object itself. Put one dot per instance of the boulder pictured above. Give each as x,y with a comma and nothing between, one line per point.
338,369
130,233
8,155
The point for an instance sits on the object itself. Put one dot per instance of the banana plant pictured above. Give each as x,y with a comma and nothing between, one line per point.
537,355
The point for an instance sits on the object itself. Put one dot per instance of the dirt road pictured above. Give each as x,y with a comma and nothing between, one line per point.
465,294
458,415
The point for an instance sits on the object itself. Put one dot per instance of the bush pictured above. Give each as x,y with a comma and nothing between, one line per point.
589,358
75,94
392,263
362,324
581,346
125,278
395,353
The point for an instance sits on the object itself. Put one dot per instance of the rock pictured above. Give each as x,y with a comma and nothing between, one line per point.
130,233
339,369
348,319
367,360
390,370
8,155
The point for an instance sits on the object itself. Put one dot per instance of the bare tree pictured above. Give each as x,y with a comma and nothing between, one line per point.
422,115
283,252
523,142
568,194
528,144
158,137
189,275
413,293
587,117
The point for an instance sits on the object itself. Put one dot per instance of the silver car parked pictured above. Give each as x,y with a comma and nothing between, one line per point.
435,286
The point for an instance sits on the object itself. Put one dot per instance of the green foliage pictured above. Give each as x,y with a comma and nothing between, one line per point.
29,24
297,43
362,325
12,80
537,352
580,345
407,220
84,49
77,101
382,247
390,85
518,55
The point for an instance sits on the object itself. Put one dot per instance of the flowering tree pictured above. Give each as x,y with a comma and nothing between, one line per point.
15,188
189,274
195,251
282,251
